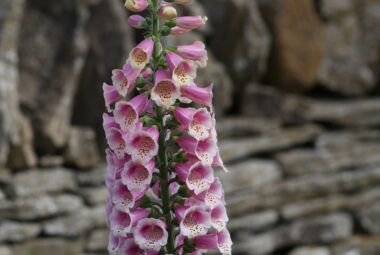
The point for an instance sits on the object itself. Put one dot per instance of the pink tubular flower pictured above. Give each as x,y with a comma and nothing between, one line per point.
122,222
196,222
202,96
164,91
113,243
141,54
127,113
123,198
136,5
137,177
130,247
198,177
219,217
136,21
183,71
142,145
179,31
124,80
204,151
150,234
224,242
110,95
116,142
191,22
197,122
195,52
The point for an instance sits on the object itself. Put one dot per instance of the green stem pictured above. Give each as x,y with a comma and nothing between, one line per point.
162,157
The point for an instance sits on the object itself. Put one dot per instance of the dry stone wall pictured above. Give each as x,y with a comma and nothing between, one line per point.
298,105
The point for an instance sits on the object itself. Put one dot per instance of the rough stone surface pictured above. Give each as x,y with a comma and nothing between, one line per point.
82,151
94,177
366,245
9,110
369,218
39,207
46,95
17,232
298,42
251,173
324,229
245,37
311,251
351,44
45,246
95,196
238,148
5,250
41,181
253,222
98,241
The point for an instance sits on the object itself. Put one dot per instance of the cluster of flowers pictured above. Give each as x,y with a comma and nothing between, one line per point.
163,195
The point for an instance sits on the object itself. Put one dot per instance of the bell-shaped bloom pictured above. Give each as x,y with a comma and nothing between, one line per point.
214,195
137,177
124,80
151,234
183,71
136,5
111,95
113,243
140,55
109,123
198,177
167,12
127,113
142,145
202,96
196,222
130,247
224,242
164,92
136,21
206,242
191,22
122,222
116,142
179,31
204,151
123,198
195,52
197,122
219,217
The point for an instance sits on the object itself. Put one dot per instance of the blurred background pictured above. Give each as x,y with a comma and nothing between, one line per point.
297,97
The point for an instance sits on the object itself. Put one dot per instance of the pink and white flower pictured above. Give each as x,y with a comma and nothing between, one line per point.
195,52
116,142
127,113
136,5
219,217
202,96
196,222
164,92
179,31
123,198
124,80
137,177
121,223
130,247
224,242
183,71
204,151
111,95
151,234
136,21
191,22
113,243
198,177
142,145
141,54
197,122
214,195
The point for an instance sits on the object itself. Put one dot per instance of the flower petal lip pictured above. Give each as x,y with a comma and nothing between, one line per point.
140,55
196,222
127,113
111,95
199,178
151,234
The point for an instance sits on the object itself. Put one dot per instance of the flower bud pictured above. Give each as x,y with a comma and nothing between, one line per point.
182,1
168,12
136,21
191,22
136,5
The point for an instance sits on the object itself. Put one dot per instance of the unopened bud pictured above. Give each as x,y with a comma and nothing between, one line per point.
136,5
168,12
